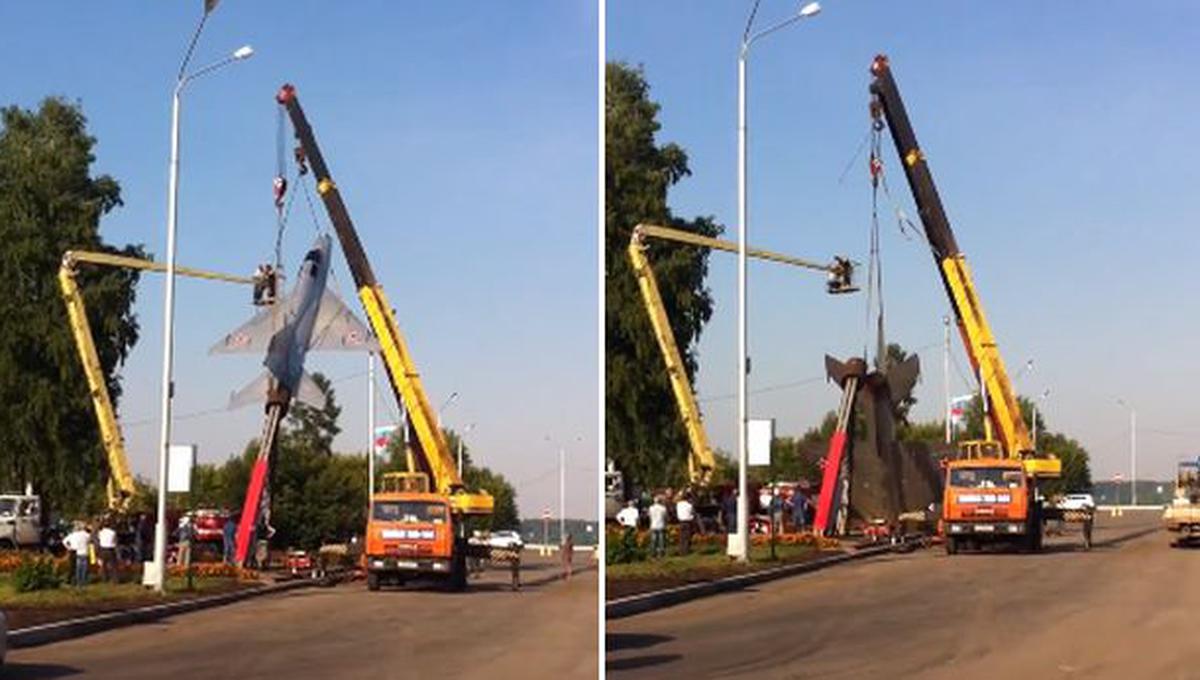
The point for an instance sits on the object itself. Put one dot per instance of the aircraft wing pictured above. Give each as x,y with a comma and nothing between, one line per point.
252,336
337,328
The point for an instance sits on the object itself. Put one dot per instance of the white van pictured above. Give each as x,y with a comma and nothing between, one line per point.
20,521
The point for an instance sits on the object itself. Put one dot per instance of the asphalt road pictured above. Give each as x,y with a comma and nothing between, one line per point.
549,629
1130,608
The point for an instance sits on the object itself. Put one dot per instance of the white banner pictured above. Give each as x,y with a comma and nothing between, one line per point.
181,458
760,434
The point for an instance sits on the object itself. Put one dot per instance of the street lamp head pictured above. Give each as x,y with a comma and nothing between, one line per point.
811,9
243,52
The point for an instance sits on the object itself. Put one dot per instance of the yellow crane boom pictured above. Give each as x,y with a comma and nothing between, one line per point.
120,484
1001,405
701,460
434,452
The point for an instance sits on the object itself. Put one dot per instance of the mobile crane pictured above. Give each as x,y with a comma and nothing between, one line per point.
120,482
700,460
416,526
992,488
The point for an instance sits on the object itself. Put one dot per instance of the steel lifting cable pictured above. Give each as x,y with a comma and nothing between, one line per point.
280,190
875,265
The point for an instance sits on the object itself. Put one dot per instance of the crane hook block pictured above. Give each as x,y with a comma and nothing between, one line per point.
285,93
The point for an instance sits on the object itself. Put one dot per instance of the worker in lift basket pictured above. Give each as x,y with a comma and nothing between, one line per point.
264,284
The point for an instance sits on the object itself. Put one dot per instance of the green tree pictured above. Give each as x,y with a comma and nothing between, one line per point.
973,418
1076,462
50,203
789,462
643,433
316,496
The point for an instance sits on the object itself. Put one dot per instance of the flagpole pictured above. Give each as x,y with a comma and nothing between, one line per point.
371,426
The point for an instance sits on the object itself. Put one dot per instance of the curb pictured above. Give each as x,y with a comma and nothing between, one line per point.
46,633
639,604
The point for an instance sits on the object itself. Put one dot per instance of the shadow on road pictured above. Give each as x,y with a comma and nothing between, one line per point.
640,661
1125,538
615,642
17,670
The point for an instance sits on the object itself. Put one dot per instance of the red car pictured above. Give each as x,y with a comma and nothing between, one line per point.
210,525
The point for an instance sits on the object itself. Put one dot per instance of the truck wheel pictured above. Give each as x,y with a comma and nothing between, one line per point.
951,545
372,581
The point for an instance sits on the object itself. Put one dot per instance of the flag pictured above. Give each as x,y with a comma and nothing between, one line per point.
381,438
958,410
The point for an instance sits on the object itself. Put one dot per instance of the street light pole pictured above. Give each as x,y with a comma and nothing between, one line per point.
742,552
460,447
449,400
1133,456
562,483
1132,450
1033,420
167,385
562,493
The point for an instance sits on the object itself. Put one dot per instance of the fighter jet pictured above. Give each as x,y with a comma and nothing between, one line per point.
310,318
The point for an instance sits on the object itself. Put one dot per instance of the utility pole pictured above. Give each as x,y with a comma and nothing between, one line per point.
946,377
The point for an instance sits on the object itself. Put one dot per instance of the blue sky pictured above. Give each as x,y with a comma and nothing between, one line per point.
1059,136
464,138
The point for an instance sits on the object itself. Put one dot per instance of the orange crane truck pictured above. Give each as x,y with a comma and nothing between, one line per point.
992,488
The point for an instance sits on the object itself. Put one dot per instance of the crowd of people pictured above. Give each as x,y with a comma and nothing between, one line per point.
98,542
779,510
110,542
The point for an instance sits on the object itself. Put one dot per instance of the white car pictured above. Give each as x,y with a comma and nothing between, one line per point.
506,539
1077,501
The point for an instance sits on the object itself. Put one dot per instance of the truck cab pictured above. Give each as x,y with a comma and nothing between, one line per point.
989,498
20,521
1182,516
410,532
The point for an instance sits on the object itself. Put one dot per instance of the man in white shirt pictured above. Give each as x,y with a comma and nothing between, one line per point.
686,516
658,528
77,543
628,516
107,538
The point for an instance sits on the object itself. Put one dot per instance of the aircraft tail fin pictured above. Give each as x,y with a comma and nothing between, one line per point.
309,392
254,392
